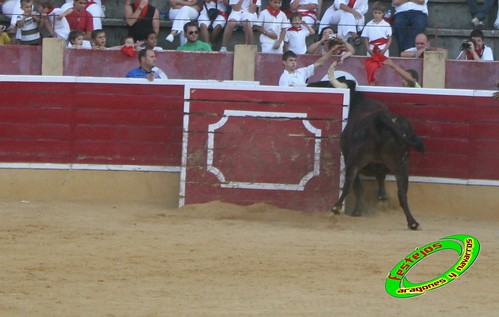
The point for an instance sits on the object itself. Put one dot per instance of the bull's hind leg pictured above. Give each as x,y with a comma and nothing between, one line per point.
402,186
381,186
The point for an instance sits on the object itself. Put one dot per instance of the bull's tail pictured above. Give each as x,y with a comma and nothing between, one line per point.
402,130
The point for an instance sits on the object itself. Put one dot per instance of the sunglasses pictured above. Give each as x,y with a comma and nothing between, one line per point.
193,32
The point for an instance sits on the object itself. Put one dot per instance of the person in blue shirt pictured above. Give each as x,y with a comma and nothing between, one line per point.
147,68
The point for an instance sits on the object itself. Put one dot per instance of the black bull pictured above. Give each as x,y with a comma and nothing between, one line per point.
375,142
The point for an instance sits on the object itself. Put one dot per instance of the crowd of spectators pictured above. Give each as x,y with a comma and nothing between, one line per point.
284,25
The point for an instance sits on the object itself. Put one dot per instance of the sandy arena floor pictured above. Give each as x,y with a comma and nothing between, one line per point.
85,259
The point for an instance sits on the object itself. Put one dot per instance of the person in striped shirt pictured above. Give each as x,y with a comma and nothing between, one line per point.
28,24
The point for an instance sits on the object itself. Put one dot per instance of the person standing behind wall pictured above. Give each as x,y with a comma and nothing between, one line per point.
80,19
410,19
272,24
28,24
141,18
147,67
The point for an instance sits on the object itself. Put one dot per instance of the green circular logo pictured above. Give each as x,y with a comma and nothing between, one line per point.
465,245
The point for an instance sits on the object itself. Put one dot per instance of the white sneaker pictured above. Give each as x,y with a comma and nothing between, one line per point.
496,24
223,49
475,21
170,38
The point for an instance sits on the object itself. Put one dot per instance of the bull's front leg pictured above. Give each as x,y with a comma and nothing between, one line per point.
350,175
357,189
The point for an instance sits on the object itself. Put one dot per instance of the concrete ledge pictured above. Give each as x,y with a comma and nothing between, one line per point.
478,202
77,185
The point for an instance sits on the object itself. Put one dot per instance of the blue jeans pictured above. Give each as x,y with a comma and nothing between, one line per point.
480,14
406,25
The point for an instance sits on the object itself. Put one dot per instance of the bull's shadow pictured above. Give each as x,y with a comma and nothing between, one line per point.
375,142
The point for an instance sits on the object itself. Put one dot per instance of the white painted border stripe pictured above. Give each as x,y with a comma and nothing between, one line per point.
267,186
185,141
442,180
264,114
91,167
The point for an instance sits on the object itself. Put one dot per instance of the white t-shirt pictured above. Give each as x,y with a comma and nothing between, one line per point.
412,6
271,23
61,27
246,4
297,39
374,31
487,54
298,78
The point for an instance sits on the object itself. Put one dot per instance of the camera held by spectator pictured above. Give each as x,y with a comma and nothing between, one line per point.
467,44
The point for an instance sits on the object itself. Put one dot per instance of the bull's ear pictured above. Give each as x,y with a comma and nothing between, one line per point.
332,78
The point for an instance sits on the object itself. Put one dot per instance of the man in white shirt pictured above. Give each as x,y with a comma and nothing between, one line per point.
474,49
422,44
297,77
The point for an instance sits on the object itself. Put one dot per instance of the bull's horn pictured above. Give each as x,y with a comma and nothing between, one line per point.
332,78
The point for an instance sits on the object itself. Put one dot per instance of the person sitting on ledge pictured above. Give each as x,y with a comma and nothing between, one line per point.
191,33
422,45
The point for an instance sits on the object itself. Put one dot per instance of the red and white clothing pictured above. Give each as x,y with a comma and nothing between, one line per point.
181,16
296,38
345,20
82,21
275,22
485,54
244,14
221,19
94,7
309,16
378,34
348,23
298,78
61,26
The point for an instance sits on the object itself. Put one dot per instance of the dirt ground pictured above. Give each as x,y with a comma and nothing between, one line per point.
216,259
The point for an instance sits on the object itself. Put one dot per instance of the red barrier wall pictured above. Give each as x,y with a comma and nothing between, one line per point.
25,60
269,68
247,145
90,123
177,65
460,131
20,60
268,141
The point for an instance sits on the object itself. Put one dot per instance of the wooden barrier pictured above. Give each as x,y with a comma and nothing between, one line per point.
262,145
234,141
78,122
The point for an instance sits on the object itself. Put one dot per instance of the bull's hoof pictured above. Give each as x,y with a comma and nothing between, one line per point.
356,213
414,226
382,197
335,210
